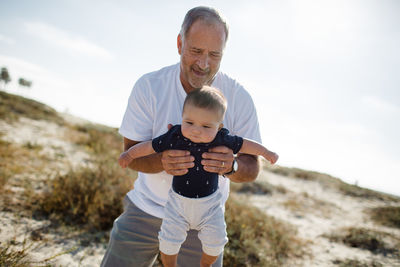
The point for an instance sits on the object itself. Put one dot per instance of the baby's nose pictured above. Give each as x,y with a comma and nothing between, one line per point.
195,129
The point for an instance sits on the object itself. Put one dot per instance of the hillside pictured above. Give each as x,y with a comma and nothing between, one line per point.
55,171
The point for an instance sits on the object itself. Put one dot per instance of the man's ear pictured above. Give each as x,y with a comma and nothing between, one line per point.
179,44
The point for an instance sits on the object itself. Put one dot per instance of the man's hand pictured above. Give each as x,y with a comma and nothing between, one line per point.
218,160
177,162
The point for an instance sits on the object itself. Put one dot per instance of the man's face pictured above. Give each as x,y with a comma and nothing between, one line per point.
201,53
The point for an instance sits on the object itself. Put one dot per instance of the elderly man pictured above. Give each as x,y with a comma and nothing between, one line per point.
155,102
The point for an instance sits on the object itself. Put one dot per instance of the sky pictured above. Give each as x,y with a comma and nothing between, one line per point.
324,74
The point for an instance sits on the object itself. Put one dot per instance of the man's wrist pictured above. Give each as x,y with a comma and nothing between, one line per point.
234,167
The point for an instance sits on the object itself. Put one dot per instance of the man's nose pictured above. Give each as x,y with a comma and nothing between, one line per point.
203,62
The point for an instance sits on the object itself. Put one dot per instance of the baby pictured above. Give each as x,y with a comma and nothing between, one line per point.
194,202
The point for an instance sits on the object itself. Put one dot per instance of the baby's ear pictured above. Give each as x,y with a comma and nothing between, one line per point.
220,126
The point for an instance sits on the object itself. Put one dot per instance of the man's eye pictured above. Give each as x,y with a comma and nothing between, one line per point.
216,55
196,51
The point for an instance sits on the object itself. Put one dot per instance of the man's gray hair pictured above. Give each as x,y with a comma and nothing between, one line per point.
206,14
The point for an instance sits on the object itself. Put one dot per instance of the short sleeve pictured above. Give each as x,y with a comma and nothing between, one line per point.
234,142
167,140
246,120
241,116
137,121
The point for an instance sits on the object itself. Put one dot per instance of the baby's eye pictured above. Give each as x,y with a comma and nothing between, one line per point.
188,122
207,127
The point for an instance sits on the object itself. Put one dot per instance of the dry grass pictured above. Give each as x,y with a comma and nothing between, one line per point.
294,172
387,216
6,155
375,241
14,106
304,203
14,158
13,257
16,254
359,192
331,182
258,188
97,139
256,239
356,263
90,196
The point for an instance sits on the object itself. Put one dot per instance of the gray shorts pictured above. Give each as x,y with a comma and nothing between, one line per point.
204,214
134,241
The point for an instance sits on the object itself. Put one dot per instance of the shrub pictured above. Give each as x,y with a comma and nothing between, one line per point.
257,188
356,263
359,192
331,182
388,216
256,239
99,139
12,159
367,239
91,196
6,153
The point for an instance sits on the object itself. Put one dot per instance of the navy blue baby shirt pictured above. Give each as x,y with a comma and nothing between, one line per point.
196,182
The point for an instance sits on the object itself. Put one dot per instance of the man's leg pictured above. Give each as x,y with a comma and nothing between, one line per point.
207,260
168,260
133,239
191,252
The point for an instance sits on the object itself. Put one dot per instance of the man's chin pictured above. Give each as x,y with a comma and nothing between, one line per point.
198,84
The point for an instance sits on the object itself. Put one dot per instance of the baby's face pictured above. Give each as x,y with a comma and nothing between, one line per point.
200,125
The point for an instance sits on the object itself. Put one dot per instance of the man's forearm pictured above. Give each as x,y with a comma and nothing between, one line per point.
249,167
148,164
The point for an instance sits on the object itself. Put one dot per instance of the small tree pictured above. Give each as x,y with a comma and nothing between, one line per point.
25,83
5,77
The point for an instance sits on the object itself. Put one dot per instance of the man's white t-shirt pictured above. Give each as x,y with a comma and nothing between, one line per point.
157,100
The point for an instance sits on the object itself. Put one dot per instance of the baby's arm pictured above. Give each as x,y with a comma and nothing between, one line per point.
139,150
253,148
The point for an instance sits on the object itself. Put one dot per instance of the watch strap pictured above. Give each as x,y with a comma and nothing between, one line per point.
233,170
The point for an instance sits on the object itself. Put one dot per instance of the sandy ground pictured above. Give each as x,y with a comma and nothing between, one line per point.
61,250
316,210
321,211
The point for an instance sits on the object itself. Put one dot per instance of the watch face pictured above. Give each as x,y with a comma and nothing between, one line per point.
235,166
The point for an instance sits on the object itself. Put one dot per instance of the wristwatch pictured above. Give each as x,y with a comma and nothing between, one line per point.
235,167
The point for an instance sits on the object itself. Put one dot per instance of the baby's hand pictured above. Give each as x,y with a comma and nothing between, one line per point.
124,160
272,157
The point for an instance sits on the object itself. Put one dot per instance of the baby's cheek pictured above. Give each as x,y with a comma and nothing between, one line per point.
184,132
211,136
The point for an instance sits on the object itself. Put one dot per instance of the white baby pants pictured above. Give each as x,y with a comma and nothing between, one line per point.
203,214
